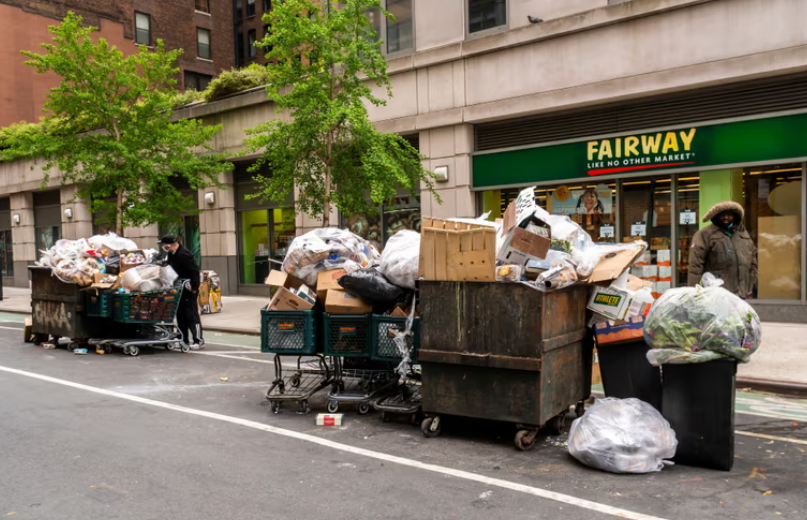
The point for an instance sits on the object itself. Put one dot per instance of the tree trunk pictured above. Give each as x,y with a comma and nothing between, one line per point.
326,203
119,213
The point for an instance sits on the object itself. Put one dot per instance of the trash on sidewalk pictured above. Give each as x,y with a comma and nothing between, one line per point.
80,351
622,436
224,379
329,419
28,331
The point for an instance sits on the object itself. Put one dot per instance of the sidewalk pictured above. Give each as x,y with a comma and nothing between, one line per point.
780,365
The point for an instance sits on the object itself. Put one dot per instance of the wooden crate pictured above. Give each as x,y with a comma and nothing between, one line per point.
457,251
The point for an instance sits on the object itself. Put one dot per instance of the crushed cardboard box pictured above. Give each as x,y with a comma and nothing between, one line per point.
342,302
524,240
327,280
285,297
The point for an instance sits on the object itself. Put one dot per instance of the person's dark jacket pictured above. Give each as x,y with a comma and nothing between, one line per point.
184,264
728,254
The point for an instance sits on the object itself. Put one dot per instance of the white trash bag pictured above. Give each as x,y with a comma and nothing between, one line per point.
400,259
622,436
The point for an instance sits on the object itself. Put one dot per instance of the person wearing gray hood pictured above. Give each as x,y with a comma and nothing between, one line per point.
725,249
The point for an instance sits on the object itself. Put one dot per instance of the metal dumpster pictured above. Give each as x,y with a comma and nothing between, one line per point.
504,352
58,308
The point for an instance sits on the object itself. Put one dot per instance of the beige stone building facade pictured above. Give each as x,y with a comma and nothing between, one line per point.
656,107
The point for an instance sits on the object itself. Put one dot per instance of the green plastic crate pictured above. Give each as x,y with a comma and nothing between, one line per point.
383,338
289,332
346,335
146,307
99,304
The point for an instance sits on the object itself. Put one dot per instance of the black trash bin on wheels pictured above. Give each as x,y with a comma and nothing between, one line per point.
626,372
698,401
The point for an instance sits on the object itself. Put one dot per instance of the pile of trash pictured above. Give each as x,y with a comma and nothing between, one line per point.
700,324
98,262
325,249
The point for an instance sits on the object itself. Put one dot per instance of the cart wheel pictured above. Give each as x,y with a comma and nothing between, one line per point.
364,408
108,349
185,348
580,409
275,406
384,417
134,350
296,380
333,406
126,350
557,425
430,427
304,408
525,439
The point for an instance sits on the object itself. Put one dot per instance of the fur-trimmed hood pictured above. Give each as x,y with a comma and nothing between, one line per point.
720,207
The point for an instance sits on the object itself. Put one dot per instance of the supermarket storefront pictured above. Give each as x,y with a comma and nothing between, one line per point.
655,185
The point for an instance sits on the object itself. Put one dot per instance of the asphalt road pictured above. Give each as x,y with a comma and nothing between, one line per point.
162,436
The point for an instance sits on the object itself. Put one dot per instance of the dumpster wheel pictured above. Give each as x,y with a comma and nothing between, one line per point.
431,427
525,439
557,424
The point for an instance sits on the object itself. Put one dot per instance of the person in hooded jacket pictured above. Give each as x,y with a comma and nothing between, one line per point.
725,249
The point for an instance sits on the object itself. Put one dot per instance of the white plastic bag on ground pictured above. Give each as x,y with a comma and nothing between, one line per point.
399,261
622,436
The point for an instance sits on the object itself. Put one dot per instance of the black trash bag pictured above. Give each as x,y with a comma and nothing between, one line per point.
371,285
113,262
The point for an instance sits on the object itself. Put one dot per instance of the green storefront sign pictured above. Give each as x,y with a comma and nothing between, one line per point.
742,142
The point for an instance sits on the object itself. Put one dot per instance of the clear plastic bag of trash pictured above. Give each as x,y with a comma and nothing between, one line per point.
701,323
399,261
622,436
327,248
562,273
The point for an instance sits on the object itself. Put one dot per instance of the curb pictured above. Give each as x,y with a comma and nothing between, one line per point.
776,387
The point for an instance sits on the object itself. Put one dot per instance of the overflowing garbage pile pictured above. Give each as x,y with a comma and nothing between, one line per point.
106,262
700,324
622,436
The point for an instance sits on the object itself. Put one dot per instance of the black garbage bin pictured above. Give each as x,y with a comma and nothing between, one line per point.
626,372
698,401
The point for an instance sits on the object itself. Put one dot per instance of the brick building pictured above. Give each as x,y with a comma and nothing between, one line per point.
249,28
203,28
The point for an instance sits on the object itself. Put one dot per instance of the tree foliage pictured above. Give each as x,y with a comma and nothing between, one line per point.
108,129
326,63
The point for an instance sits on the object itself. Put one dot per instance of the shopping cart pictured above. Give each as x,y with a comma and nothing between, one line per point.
360,381
309,376
406,400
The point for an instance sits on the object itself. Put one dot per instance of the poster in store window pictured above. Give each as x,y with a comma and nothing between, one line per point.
589,201
688,217
638,229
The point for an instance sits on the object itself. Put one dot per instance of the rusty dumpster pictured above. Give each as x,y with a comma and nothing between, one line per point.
58,308
504,352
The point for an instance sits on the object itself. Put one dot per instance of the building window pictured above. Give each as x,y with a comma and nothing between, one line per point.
252,38
265,238
486,14
142,29
400,33
196,80
239,44
250,7
203,43
203,6
267,6
239,9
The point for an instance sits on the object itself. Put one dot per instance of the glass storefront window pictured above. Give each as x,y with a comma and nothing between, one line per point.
402,212
46,237
687,222
773,205
7,253
265,237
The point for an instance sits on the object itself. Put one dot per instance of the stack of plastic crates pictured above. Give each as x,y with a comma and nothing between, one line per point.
146,307
295,333
406,400
99,304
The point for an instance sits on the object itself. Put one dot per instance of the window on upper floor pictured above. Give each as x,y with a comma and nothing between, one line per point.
142,29
203,43
267,6
197,80
203,6
239,9
486,14
239,49
398,35
252,38
250,7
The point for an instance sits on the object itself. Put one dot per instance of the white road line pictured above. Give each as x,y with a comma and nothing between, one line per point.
233,357
219,352
770,437
11,328
488,481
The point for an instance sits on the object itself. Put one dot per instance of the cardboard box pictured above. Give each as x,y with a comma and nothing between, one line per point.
124,266
97,277
342,302
28,331
619,332
610,302
612,265
307,293
527,240
327,280
285,298
329,419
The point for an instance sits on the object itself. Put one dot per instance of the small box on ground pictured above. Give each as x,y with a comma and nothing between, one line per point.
327,280
620,332
342,302
329,419
28,331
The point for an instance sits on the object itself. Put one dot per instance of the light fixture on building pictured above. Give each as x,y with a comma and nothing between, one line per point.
16,218
442,173
68,212
210,198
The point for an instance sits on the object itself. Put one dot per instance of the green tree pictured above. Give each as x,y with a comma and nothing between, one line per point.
108,129
326,58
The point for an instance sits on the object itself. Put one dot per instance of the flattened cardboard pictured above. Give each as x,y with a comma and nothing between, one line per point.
342,302
620,332
327,280
285,300
612,265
